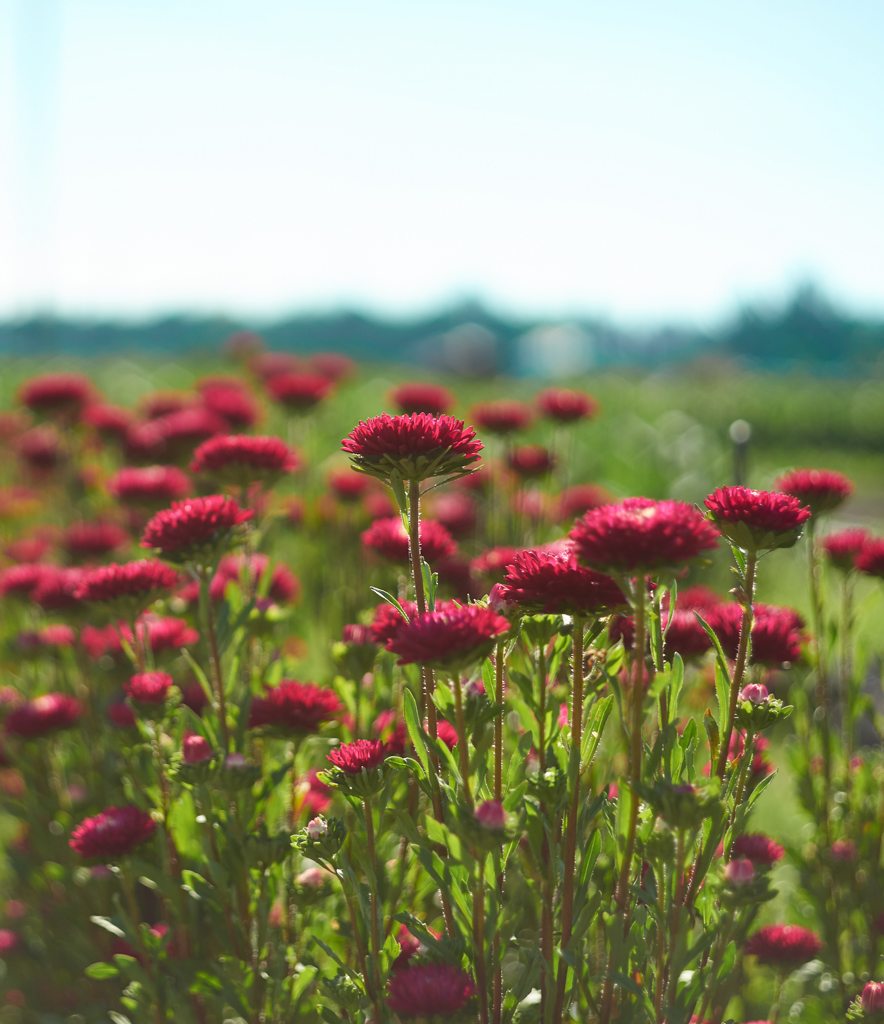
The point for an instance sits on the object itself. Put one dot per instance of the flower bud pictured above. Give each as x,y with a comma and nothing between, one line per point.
491,815
317,828
872,998
234,761
754,692
312,878
739,872
196,749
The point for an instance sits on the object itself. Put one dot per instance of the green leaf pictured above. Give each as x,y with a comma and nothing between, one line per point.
761,787
118,1018
415,730
716,643
99,971
723,693
386,596
108,926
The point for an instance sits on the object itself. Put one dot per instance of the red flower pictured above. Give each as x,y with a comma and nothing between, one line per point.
347,485
111,421
28,549
448,639
195,749
446,732
870,559
531,461
54,636
542,581
529,503
387,621
142,579
316,796
244,458
389,538
64,393
20,580
163,633
456,511
429,398
112,834
454,575
758,848
57,588
294,707
42,715
93,539
148,485
642,535
194,697
351,758
697,597
429,990
776,632
284,585
148,687
757,520
504,416
144,442
195,522
182,431
158,404
872,998
40,448
821,489
359,635
575,501
233,403
494,562
684,635
299,391
783,944
418,446
841,548
332,365
566,406
121,715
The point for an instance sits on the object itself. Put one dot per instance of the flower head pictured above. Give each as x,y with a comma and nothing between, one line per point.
776,632
389,538
40,448
449,639
56,393
644,535
299,391
429,990
111,421
872,998
294,707
842,548
543,581
787,944
93,539
243,459
43,715
579,499
493,563
352,758
456,511
821,489
429,398
684,635
57,588
121,715
143,580
759,848
148,485
232,402
21,580
870,560
417,446
505,416
192,524
739,872
195,749
530,461
113,833
843,850
757,520
566,406
148,687
180,432
347,485
387,620
755,693
491,815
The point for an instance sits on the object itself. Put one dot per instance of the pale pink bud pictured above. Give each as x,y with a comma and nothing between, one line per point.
317,828
196,748
754,692
739,872
872,998
235,761
497,602
491,814
313,878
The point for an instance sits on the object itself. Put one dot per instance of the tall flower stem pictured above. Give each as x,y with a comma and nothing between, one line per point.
573,810
497,1010
818,646
639,597
479,937
462,748
374,902
742,658
846,670
215,659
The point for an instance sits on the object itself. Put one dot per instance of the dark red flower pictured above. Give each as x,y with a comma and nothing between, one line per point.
299,391
758,848
192,523
449,639
359,635
351,758
93,539
422,397
566,406
457,512
577,500
455,576
195,749
143,579
148,687
244,458
112,834
697,598
158,404
870,559
379,505
776,632
387,620
446,732
493,563
505,416
316,795
64,393
389,538
284,585
294,707
28,549
57,588
121,715
42,715
39,448
347,485
54,636
182,431
111,421
871,999
332,365
233,403
164,633
542,581
787,944
757,520
841,548
148,485
21,580
642,535
529,503
429,990
821,489
684,635
418,446
194,697
144,442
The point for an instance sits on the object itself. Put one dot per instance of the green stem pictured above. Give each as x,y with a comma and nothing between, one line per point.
462,748
374,901
215,659
846,670
822,688
497,1010
742,658
479,937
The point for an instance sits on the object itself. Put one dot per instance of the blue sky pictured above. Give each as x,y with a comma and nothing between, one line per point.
642,160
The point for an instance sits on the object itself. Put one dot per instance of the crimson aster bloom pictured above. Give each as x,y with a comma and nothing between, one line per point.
57,588
316,796
196,523
505,416
231,402
56,393
530,461
579,499
300,392
420,397
148,485
144,443
494,562
148,687
352,758
684,635
121,715
429,990
158,404
776,632
786,944
40,448
872,998
28,549
640,535
182,431
112,834
457,512
347,485
243,459
555,583
389,538
359,635
20,580
284,585
566,406
387,620
417,446
759,848
42,715
93,539
142,581
195,749
111,421
757,520
842,548
870,560
821,489
294,707
332,365
450,639
697,598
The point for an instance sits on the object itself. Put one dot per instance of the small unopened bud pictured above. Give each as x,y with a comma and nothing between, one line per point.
317,828
843,850
497,602
313,878
872,998
475,689
491,815
235,761
754,692
739,872
196,748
